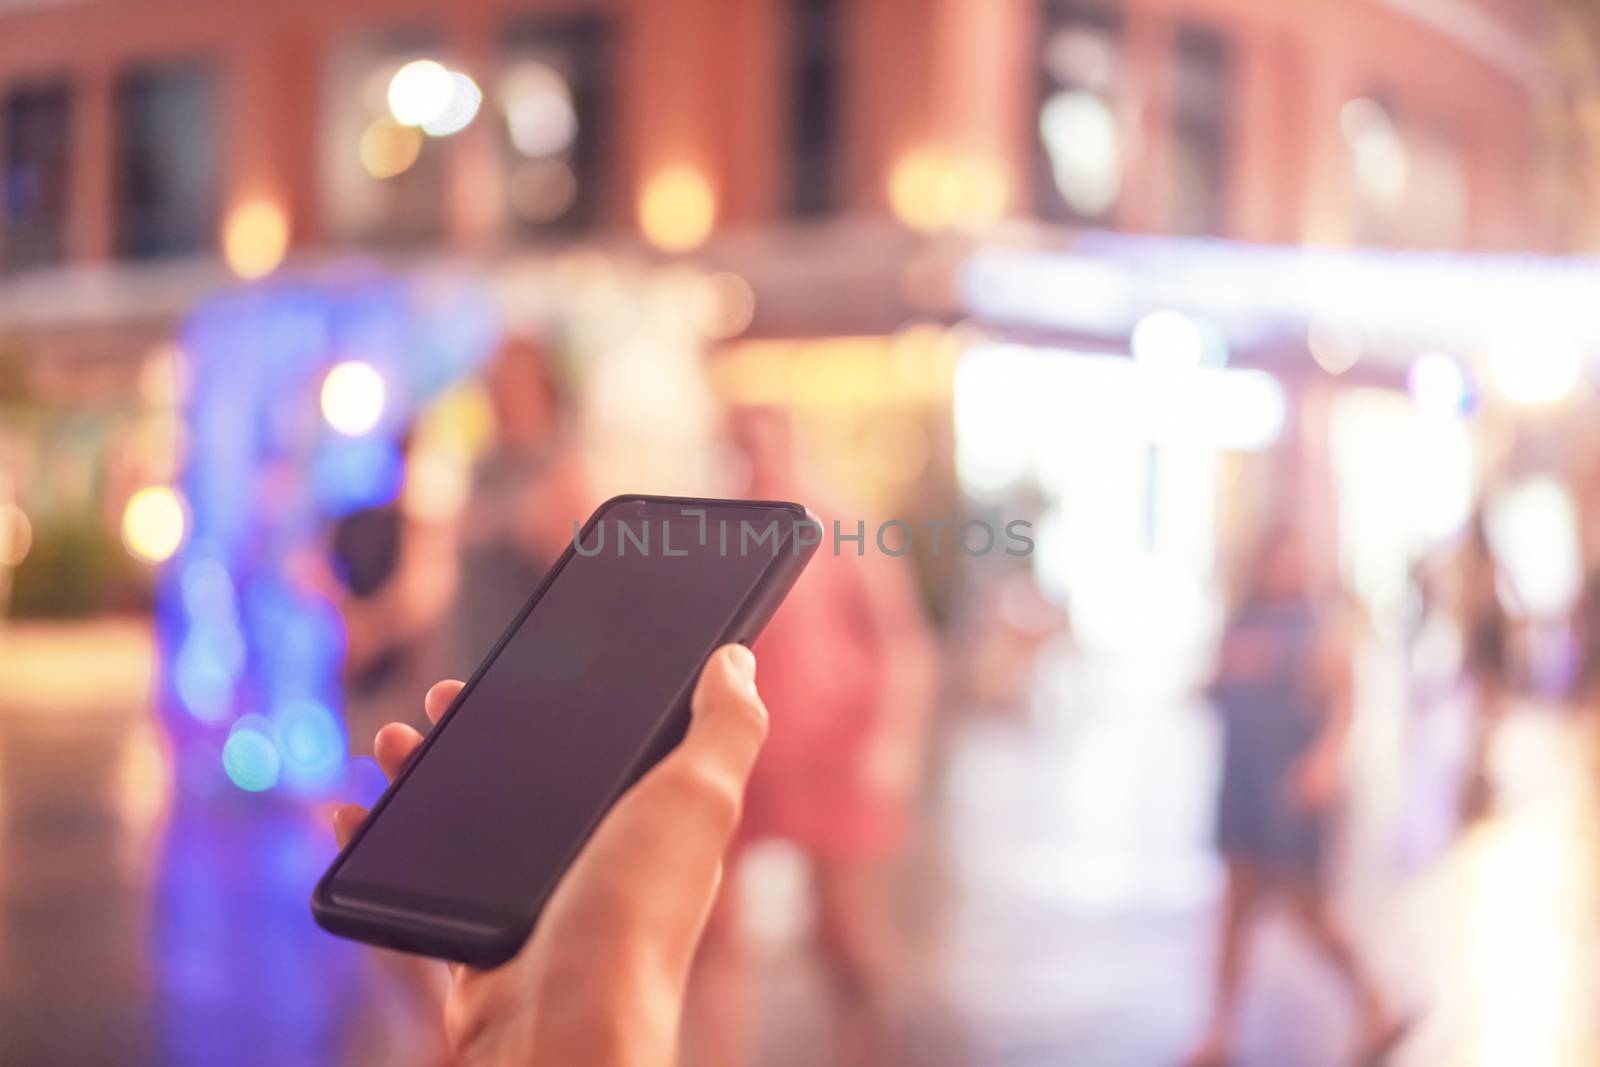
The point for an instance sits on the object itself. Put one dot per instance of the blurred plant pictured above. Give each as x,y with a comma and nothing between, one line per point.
75,568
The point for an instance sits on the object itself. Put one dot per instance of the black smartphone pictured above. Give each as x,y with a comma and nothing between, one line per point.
585,692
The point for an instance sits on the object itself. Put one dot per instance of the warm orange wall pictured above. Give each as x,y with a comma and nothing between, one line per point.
700,81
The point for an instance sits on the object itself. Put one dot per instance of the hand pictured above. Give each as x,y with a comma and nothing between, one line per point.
601,980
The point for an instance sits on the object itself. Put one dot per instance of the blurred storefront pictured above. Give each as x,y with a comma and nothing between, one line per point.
917,225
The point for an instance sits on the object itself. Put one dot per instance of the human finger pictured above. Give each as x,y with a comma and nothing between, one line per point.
440,697
393,746
346,819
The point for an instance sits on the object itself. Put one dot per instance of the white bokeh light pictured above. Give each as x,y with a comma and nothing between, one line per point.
353,397
1438,385
420,92
1168,341
1534,366
540,117
1080,135
459,110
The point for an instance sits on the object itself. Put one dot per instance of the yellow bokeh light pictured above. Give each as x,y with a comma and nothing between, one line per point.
677,209
389,149
153,523
724,304
255,238
352,398
932,190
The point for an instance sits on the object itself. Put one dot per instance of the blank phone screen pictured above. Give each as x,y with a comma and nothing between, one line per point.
498,803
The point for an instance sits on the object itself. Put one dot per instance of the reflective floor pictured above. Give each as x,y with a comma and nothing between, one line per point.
1059,910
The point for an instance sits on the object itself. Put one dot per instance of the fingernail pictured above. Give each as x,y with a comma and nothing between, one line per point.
740,663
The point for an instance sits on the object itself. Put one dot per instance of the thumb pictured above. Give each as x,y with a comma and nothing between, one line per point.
728,722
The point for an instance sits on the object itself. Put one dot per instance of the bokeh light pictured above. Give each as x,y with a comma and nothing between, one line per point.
153,523
1168,341
541,190
249,757
1380,160
389,149
540,118
1533,366
16,534
677,208
1080,134
932,190
724,304
312,744
353,397
255,238
1334,348
206,589
420,92
915,194
203,681
460,108
1438,385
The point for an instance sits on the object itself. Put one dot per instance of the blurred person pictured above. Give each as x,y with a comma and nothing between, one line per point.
528,488
392,583
1486,662
848,673
601,980
1284,691
415,594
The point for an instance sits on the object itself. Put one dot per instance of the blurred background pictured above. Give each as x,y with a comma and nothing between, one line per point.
1279,320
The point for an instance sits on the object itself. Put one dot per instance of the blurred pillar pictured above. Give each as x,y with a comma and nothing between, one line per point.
1267,166
268,122
1145,120
297,115
89,211
984,83
1327,215
474,177
752,86
665,61
888,94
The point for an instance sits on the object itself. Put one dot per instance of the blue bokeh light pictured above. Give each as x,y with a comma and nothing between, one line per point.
353,473
311,743
203,681
249,757
240,627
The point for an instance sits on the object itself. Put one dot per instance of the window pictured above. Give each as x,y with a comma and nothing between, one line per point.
35,129
1201,102
814,111
382,181
165,162
553,105
1078,156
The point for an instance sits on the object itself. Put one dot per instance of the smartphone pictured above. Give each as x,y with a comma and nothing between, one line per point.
587,689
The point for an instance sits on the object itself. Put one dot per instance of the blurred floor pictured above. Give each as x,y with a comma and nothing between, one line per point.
1087,892
1060,910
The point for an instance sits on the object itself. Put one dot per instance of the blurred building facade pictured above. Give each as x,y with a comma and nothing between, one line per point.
834,170
138,139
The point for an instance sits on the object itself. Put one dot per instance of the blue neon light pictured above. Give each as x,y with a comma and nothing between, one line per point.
250,649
